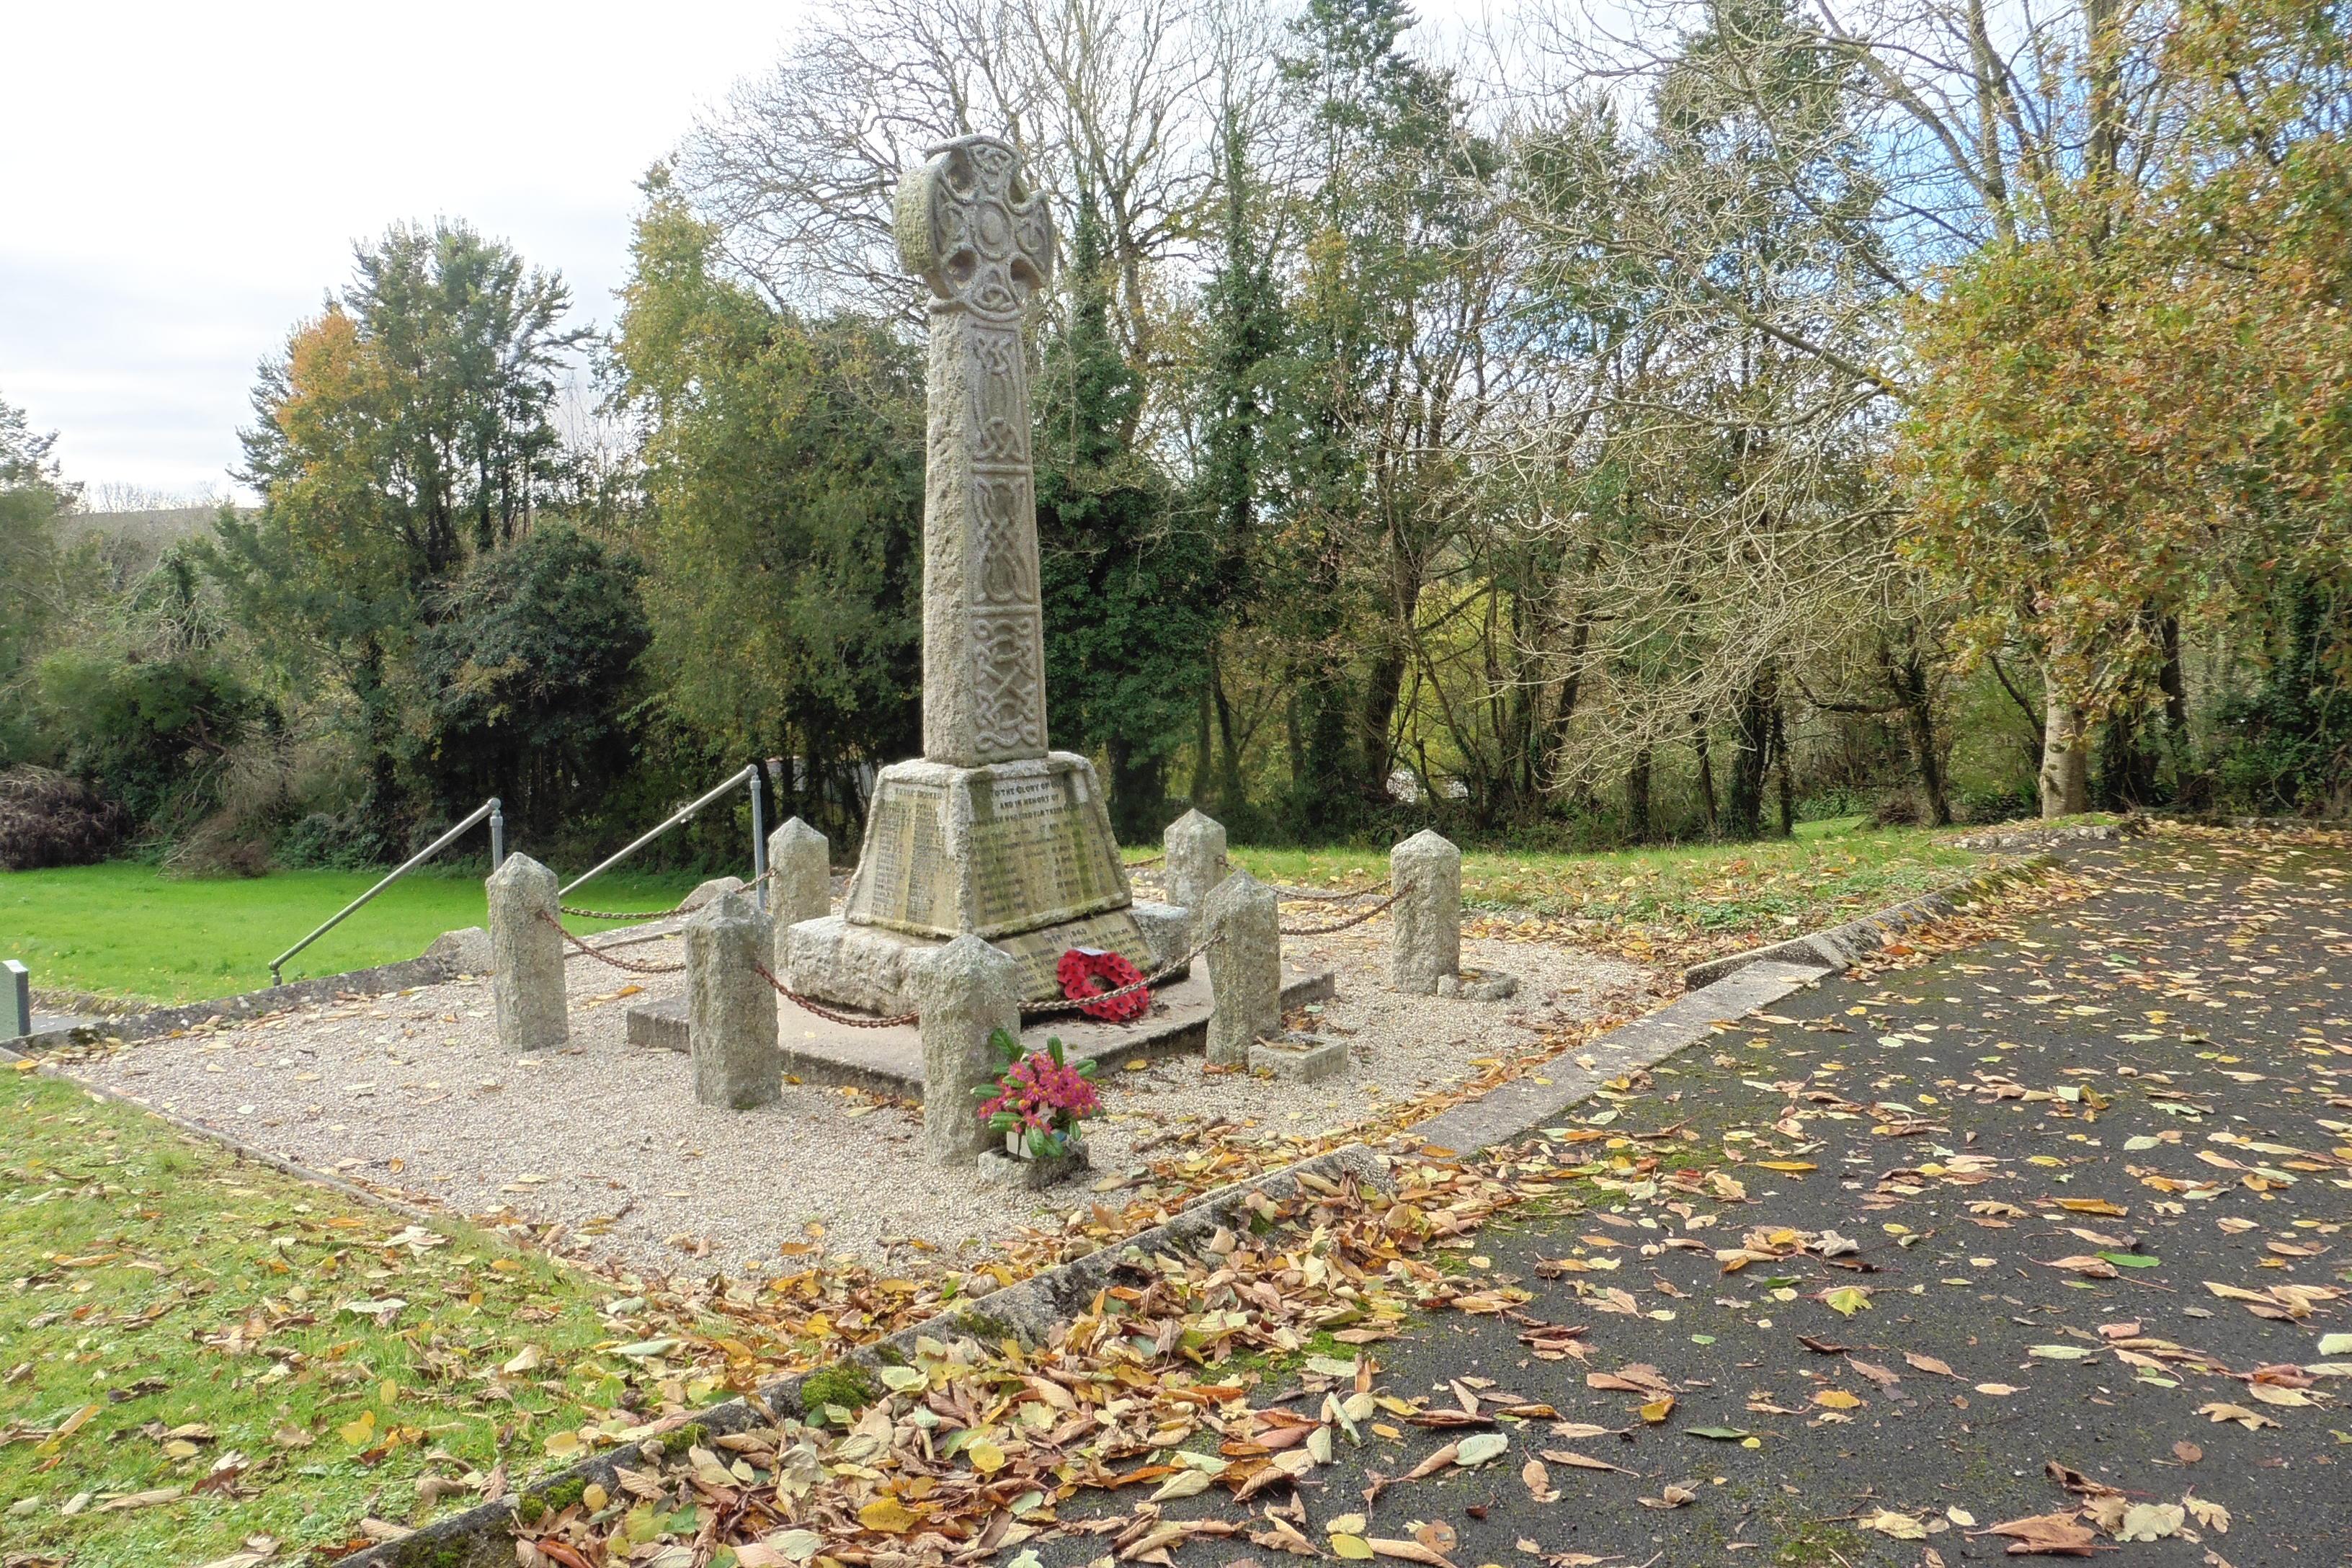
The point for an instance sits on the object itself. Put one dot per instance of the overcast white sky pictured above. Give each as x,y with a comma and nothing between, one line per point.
183,181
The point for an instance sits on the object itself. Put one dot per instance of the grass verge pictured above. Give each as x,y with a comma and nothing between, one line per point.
122,929
1677,904
200,1349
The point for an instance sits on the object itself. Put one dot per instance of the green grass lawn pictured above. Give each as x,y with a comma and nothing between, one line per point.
123,930
199,1349
1678,902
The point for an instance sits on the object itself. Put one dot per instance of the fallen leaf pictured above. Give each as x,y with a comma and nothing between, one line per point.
1901,1526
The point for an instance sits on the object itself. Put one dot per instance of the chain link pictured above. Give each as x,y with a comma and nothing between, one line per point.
632,965
828,1014
1321,896
582,914
1355,920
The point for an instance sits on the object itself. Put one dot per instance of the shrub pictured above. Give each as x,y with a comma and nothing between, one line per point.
48,818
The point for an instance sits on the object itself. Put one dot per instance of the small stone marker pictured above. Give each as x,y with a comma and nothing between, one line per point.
465,951
800,869
1300,1058
1195,848
707,893
1425,870
967,990
730,1011
526,956
1244,923
16,1000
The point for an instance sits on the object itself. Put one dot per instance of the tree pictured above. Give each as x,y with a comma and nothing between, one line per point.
405,430
783,519
34,588
529,679
1127,625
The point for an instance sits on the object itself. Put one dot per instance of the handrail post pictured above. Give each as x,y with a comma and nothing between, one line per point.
498,834
758,841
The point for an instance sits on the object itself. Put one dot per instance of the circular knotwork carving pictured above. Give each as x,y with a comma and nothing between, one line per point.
970,227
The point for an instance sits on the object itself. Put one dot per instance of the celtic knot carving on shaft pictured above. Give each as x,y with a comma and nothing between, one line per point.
1008,707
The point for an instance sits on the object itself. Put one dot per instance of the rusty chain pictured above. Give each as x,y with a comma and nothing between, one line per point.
828,1014
632,965
1320,896
1145,864
1358,917
582,914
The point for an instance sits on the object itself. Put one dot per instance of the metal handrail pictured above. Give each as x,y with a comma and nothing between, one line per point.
489,808
749,774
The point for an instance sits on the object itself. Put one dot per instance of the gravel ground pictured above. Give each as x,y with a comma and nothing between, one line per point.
413,1093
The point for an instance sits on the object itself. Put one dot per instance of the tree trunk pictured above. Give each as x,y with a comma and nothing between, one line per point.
1230,796
379,810
2066,756
1138,791
1907,677
1706,772
1637,797
1381,688
1780,769
1204,746
2179,748
1751,718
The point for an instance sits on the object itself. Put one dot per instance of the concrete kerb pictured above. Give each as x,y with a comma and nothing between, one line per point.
482,1536
1510,1112
406,975
1843,946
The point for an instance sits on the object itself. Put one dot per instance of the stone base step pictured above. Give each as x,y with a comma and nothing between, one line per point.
890,1061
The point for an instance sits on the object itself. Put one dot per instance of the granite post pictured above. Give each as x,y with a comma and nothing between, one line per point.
526,956
731,1010
1426,872
1195,848
966,991
800,865
1243,923
16,1000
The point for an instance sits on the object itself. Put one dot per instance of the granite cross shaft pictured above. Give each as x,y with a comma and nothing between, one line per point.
970,228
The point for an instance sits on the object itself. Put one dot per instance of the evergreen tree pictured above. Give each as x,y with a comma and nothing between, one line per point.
1126,628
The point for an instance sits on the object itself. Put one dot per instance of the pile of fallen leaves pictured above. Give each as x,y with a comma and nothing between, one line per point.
971,1447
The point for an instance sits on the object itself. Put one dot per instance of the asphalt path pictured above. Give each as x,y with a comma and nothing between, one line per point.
2050,1225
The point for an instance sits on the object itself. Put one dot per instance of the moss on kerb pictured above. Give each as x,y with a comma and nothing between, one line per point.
447,1551
553,1498
845,1384
985,1327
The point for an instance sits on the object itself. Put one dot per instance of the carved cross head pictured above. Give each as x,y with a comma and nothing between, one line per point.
970,227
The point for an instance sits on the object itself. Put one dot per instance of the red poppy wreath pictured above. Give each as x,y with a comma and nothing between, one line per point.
1086,972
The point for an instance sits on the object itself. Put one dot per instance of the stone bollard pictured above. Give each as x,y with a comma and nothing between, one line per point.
1243,925
1425,871
526,956
16,1000
1195,848
967,990
800,879
731,1010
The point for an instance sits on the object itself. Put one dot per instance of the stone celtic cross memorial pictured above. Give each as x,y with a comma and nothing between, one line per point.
990,835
